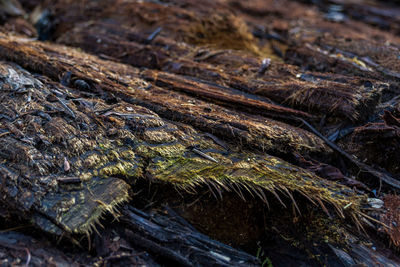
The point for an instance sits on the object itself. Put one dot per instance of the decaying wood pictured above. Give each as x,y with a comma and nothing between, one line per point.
257,121
363,167
305,91
257,131
129,142
154,233
379,142
21,250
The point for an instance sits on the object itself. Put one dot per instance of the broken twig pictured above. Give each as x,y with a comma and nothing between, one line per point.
67,109
153,35
204,155
380,175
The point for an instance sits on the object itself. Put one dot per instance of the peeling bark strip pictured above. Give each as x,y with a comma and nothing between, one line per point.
251,130
323,94
129,142
217,94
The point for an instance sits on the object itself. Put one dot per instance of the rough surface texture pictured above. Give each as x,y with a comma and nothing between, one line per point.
272,126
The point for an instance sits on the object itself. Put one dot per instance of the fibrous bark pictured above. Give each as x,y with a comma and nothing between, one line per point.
217,108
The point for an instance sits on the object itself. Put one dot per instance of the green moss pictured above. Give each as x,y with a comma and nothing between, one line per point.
168,150
113,155
78,211
127,154
269,173
104,146
94,160
158,137
121,168
85,176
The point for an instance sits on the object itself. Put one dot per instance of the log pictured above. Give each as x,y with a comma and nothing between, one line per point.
171,238
263,124
100,141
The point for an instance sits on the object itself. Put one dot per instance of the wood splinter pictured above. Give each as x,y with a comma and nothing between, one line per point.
69,180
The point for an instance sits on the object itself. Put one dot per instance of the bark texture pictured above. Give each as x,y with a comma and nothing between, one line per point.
271,126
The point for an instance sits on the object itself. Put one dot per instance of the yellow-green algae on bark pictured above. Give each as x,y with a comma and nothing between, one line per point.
255,174
78,211
35,145
108,146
